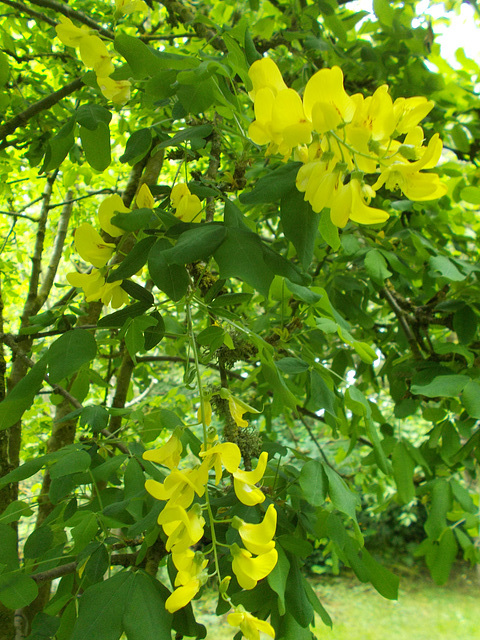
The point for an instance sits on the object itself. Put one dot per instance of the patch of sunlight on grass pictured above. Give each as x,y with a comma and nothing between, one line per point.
423,611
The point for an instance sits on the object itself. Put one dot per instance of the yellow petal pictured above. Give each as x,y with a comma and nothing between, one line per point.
265,73
118,91
107,209
91,247
144,198
69,34
91,283
169,454
182,595
95,55
257,538
325,88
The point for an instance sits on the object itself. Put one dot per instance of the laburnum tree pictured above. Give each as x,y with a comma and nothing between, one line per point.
239,306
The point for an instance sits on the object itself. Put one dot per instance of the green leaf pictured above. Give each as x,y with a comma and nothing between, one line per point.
172,279
118,318
69,352
38,542
441,555
317,605
277,579
17,590
137,147
321,397
24,471
198,132
196,244
384,581
403,467
299,224
134,336
96,145
276,184
471,399
465,323
292,366
92,115
8,547
198,97
96,417
59,146
101,609
384,11
145,616
154,333
440,505
145,61
471,195
328,230
158,420
241,256
135,220
449,386
283,267
297,602
313,483
340,494
21,397
376,266
442,266
71,462
85,529
138,292
15,510
135,259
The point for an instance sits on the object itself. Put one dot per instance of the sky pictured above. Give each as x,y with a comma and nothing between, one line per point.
463,31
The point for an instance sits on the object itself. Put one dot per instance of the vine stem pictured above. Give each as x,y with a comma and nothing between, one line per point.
205,434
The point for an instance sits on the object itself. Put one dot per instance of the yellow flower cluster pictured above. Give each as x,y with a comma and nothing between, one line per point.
339,138
183,523
94,55
187,205
93,249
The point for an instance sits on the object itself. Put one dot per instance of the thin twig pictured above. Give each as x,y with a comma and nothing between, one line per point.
67,11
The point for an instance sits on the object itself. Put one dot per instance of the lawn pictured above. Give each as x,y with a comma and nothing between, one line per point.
423,611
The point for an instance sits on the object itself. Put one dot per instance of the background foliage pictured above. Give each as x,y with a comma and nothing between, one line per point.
358,349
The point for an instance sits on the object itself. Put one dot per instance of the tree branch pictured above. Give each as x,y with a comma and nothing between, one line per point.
22,118
67,11
31,12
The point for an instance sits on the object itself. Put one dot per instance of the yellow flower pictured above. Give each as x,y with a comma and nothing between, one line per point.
326,102
320,182
69,34
250,570
410,111
226,454
406,175
350,204
91,283
265,73
183,528
144,198
94,55
179,487
249,625
182,595
113,295
169,454
125,7
108,208
258,538
91,247
118,91
187,206
244,482
204,413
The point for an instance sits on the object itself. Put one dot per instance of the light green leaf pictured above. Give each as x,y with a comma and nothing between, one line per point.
69,352
313,483
340,494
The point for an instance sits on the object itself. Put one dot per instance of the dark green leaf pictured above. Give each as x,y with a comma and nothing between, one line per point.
465,323
283,267
135,220
96,145
17,590
59,146
190,133
198,97
22,395
118,318
145,61
91,115
313,483
196,244
376,266
137,147
277,579
69,352
471,399
172,279
297,602
340,494
38,542
299,224
441,555
138,292
276,184
440,505
155,332
449,386
241,256
403,466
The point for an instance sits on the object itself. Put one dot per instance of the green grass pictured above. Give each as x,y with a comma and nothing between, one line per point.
423,611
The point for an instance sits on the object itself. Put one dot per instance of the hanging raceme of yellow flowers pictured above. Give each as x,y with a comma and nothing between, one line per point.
340,138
